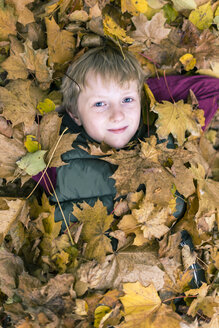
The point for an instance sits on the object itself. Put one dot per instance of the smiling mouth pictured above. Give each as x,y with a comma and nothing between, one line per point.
117,131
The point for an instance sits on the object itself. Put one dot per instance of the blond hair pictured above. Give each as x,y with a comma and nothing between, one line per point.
107,61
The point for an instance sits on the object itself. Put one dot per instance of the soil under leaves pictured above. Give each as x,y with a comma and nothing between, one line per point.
129,268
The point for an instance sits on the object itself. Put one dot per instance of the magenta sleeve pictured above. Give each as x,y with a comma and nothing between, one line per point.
45,182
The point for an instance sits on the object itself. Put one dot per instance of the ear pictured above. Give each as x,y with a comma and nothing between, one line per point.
75,118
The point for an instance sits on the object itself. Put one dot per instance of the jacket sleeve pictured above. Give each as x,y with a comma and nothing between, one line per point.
205,88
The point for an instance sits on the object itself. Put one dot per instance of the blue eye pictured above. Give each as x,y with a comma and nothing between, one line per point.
99,104
128,100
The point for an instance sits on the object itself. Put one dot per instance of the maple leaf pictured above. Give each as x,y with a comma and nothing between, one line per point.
96,223
17,103
61,43
147,222
177,118
14,64
7,22
142,308
127,265
25,16
152,31
141,168
24,59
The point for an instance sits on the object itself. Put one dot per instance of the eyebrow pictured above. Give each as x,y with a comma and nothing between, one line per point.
127,92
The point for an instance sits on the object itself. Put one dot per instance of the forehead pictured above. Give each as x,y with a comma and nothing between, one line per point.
95,82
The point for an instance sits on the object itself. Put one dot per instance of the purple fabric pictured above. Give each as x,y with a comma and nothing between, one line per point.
205,88
44,182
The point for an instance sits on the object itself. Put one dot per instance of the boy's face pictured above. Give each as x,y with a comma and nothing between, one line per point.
109,112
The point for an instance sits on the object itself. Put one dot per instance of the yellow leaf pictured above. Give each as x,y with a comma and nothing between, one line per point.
48,225
188,61
61,259
139,302
202,17
127,5
25,16
46,106
149,94
96,223
7,23
177,118
31,143
61,43
99,313
140,5
112,29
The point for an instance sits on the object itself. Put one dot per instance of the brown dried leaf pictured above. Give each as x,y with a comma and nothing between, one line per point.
25,16
96,223
17,102
150,31
7,23
129,265
61,43
11,266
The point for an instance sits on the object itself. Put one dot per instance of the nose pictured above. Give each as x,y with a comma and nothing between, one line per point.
116,114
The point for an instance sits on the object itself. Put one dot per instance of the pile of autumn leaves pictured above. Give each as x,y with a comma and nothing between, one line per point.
75,279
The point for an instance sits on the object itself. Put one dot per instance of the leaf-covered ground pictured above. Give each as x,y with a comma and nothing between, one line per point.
76,279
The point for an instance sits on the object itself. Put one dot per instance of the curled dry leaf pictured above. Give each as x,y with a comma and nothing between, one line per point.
11,266
10,215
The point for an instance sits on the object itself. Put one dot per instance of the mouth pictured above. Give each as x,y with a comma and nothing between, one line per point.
118,131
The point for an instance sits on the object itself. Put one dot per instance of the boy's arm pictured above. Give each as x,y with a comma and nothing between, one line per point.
205,88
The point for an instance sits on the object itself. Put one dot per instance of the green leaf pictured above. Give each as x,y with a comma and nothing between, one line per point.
170,13
32,163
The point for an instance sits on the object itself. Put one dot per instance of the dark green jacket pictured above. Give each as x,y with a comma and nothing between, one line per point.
85,177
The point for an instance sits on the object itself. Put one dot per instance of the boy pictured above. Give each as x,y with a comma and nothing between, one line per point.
102,100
